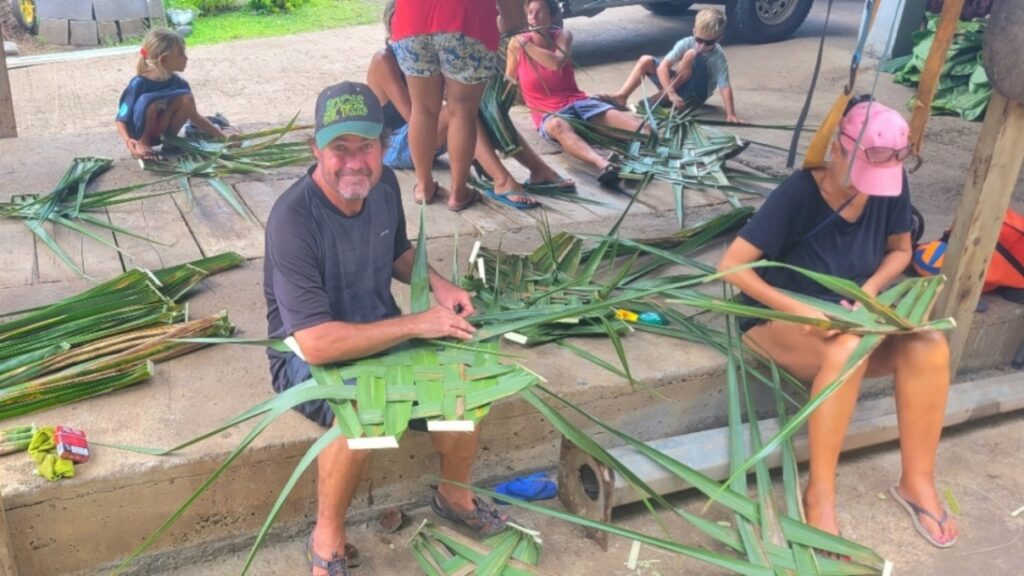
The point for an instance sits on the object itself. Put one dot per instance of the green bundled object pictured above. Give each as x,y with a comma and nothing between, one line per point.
16,439
494,106
102,339
963,88
443,552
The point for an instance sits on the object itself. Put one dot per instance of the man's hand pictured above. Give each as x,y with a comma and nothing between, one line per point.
812,312
453,298
441,322
869,288
676,100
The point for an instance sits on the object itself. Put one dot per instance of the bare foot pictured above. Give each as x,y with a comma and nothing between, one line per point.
821,511
613,99
924,494
549,176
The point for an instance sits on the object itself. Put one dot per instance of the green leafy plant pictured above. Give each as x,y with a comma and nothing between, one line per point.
274,6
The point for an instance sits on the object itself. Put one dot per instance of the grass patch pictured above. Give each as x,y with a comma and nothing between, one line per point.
310,17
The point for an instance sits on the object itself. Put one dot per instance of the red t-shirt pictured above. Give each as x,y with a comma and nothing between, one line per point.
544,90
477,19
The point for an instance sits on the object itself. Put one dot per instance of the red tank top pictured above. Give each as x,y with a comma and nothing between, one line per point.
546,91
477,19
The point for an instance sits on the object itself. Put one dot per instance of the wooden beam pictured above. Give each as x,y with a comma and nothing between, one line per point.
987,192
948,20
8,127
7,564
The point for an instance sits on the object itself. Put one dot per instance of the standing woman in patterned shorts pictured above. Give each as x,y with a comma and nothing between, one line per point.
447,50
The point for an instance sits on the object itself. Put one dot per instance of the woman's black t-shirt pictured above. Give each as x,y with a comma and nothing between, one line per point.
782,229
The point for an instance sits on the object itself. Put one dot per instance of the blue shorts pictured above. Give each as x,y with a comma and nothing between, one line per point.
295,372
695,90
584,109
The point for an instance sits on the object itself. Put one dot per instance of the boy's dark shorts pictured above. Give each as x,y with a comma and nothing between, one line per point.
695,91
295,372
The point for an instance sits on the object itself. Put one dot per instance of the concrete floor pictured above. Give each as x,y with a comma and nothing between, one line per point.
980,465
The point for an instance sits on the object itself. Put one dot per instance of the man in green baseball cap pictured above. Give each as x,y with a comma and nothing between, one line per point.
334,241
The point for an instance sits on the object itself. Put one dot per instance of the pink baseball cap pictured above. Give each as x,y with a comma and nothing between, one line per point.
883,128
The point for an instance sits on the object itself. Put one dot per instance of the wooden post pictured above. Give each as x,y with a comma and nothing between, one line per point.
948,20
8,127
987,192
7,564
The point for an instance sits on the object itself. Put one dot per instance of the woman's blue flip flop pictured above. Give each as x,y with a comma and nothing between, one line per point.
504,199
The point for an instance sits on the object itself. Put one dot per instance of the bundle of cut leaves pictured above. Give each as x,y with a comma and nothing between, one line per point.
963,89
103,339
494,106
441,551
16,439
252,153
74,207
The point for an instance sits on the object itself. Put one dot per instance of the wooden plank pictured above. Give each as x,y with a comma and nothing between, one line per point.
933,69
260,196
95,259
8,125
990,182
157,218
216,226
7,565
17,259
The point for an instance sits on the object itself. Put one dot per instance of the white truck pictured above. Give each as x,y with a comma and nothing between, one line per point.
754,21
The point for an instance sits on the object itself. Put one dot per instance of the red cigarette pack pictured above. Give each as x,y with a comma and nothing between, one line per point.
71,444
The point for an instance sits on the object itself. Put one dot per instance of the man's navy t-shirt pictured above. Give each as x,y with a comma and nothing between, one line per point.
323,266
851,250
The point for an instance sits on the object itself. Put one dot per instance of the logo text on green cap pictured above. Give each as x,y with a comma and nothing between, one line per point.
344,106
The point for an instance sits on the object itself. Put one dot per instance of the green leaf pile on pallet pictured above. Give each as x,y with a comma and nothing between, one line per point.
245,154
74,207
963,89
103,339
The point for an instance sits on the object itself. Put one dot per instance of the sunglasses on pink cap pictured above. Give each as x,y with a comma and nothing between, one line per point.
883,154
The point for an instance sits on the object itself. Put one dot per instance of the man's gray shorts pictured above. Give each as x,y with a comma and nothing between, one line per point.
296,371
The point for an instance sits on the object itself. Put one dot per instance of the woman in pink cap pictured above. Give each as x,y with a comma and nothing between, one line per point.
858,228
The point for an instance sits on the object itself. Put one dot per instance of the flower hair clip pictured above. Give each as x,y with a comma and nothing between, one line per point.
144,52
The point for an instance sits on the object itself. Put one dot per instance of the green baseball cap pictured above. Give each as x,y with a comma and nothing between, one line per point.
347,108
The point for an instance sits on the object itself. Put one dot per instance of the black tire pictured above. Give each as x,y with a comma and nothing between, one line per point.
671,8
25,14
761,21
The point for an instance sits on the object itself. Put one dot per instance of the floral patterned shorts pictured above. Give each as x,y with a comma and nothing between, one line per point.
451,54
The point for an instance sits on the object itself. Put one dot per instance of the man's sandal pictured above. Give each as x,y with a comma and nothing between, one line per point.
483,521
337,565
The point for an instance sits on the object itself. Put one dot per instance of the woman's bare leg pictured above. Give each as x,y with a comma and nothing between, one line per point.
426,94
463,105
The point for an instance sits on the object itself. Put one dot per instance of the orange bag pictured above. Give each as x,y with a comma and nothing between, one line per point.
1007,266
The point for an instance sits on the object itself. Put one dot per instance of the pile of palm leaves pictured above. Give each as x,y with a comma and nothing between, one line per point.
680,150
74,207
103,339
964,89
443,552
252,153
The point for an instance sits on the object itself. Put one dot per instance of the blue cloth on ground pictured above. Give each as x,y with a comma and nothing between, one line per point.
398,154
142,92
533,487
